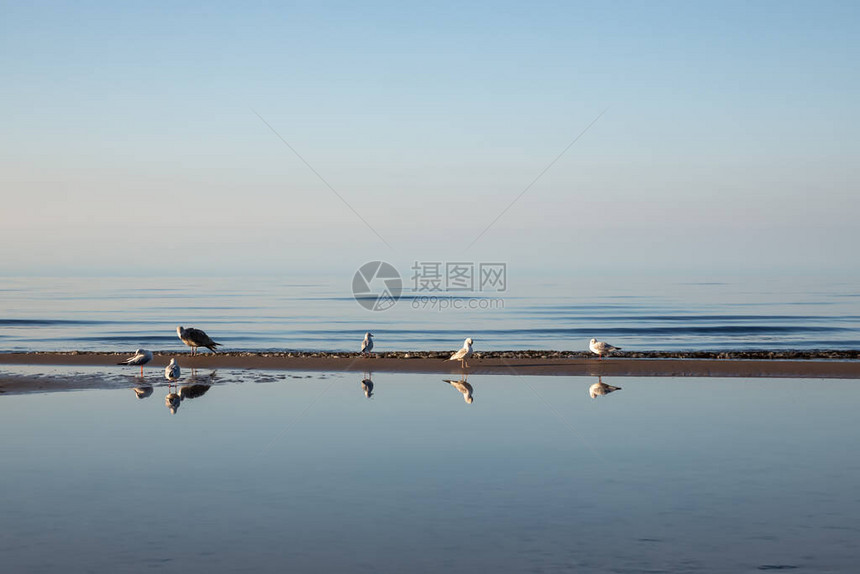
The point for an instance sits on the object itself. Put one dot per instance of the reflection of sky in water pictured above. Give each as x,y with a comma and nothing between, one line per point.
308,474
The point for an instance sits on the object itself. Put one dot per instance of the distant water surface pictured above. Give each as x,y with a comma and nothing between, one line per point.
300,472
121,314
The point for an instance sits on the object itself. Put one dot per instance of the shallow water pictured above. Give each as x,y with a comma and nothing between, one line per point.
123,314
278,471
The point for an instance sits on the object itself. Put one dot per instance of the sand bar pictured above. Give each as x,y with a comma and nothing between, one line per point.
823,364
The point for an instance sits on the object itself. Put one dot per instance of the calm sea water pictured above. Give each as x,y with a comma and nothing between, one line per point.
275,471
122,314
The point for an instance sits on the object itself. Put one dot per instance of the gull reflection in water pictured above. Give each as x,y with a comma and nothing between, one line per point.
367,385
192,391
207,380
142,392
463,387
196,387
172,400
600,388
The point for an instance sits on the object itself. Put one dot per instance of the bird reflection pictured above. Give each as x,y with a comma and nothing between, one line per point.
600,388
192,391
196,387
463,387
172,400
142,392
196,379
367,385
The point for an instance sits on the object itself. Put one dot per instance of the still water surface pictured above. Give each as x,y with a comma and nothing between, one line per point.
282,471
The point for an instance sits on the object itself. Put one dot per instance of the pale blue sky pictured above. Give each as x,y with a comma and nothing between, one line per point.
130,142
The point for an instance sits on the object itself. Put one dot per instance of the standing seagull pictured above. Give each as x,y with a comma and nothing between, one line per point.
367,344
196,338
171,371
141,357
463,353
601,348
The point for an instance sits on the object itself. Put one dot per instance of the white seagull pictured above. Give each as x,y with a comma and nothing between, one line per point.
601,348
171,371
463,353
464,388
600,389
141,357
196,338
367,344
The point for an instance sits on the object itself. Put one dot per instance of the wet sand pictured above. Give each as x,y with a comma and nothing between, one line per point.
814,364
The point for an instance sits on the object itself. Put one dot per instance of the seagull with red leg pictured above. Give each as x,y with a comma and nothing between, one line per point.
601,348
141,357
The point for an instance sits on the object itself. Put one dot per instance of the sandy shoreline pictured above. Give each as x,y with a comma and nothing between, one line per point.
815,364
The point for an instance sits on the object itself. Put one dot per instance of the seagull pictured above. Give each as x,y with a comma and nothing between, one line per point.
463,353
196,338
601,348
171,371
367,344
463,387
600,388
141,357
367,387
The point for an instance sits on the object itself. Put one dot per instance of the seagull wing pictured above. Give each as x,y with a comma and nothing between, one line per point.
604,347
200,338
461,386
138,359
458,355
